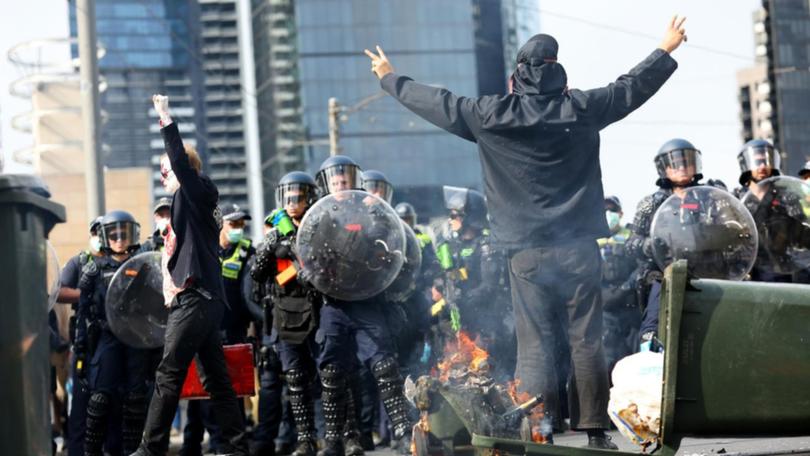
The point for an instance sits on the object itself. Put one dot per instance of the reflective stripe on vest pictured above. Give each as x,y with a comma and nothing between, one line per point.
233,265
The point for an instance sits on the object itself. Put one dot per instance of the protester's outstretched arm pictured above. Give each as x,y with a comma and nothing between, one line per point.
630,91
439,106
189,178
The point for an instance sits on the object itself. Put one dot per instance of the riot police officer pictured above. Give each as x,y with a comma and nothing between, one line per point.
378,185
355,330
417,308
291,314
69,294
678,163
620,311
474,279
115,371
778,213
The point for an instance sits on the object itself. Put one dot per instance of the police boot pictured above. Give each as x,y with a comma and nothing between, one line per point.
133,416
298,390
98,408
351,433
333,382
389,382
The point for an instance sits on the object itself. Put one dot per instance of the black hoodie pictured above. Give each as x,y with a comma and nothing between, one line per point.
539,146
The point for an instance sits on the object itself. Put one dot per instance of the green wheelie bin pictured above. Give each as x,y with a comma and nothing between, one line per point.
27,215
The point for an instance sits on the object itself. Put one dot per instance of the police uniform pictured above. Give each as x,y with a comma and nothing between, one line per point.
114,370
353,331
291,310
620,311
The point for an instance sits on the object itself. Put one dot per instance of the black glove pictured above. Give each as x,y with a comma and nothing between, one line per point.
283,249
88,276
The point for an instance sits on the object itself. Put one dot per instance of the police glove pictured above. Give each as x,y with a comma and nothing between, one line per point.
283,250
88,276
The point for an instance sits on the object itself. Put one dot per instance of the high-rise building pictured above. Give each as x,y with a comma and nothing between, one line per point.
151,47
466,45
786,39
223,100
278,90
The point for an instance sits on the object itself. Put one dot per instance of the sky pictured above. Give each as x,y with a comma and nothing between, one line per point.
698,103
599,41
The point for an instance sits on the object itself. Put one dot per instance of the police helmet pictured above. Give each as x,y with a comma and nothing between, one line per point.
755,153
95,224
296,186
119,225
678,153
407,213
469,204
376,183
337,173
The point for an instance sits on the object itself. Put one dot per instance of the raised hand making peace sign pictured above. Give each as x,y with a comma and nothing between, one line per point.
379,63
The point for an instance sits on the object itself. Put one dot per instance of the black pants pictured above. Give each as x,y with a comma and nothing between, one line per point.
193,329
556,294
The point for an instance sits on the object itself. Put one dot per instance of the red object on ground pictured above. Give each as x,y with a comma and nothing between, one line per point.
239,359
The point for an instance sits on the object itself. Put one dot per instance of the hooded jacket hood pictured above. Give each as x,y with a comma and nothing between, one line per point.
538,72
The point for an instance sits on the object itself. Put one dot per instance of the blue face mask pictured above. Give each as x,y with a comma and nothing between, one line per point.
613,219
235,235
95,244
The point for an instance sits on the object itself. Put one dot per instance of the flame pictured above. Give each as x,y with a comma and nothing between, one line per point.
422,424
462,353
537,415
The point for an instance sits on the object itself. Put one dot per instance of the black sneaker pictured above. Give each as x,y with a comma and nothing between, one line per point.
601,442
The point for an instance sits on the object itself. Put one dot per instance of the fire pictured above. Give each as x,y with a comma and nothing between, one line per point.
422,424
462,353
537,415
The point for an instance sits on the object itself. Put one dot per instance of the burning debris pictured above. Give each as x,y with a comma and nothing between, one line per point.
461,398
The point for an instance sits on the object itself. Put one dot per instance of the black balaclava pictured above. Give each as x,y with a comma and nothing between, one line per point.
538,72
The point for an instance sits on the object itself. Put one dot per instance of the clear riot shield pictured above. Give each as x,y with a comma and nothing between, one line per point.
351,245
135,307
710,229
405,283
781,206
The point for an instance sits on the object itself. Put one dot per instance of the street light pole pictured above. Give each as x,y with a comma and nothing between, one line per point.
91,118
334,126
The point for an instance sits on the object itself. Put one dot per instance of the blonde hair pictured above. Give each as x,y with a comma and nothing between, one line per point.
193,157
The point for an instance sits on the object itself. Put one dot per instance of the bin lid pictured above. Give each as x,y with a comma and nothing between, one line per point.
22,182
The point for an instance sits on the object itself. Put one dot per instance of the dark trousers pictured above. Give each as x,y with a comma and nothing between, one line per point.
193,329
556,294
77,421
354,331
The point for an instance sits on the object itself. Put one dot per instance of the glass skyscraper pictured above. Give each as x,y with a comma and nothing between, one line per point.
467,46
787,28
151,47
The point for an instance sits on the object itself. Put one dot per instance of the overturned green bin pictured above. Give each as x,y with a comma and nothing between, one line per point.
736,363
26,218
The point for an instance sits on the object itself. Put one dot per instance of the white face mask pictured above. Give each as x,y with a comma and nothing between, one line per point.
161,225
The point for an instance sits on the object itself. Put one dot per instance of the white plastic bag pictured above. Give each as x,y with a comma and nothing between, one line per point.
635,399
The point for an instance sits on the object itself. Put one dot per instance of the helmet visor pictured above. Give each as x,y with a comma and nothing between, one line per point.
120,236
752,158
687,159
294,194
379,188
339,178
455,198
